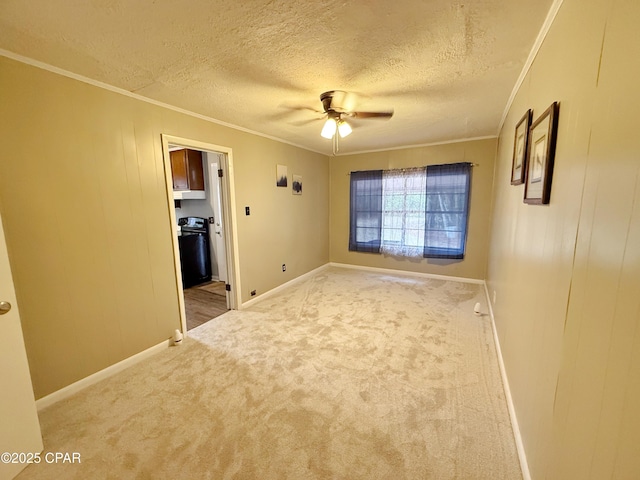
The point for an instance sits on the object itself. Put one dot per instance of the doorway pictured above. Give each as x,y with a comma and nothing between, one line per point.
211,215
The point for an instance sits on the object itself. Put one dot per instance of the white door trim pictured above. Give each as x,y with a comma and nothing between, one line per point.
228,211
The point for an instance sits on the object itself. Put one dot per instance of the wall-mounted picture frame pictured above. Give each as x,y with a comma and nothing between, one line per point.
542,148
296,185
521,149
281,176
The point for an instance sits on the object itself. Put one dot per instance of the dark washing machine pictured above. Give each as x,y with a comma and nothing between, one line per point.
195,258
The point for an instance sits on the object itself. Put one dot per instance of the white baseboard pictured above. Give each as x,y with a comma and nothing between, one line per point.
69,390
524,466
405,272
275,290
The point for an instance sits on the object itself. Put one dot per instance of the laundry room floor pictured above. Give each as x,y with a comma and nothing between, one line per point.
204,302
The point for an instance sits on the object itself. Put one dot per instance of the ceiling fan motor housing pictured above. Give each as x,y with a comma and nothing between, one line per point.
326,98
334,101
338,104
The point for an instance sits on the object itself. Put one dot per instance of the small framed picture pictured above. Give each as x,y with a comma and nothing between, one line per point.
542,148
281,176
296,185
521,149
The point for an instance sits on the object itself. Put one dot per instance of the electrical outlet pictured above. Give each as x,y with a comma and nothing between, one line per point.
284,267
253,293
247,211
494,297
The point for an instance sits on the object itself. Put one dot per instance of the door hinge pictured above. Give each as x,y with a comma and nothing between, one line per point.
220,173
227,287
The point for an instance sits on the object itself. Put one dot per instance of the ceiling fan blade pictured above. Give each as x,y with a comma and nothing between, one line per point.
300,123
383,115
297,107
302,107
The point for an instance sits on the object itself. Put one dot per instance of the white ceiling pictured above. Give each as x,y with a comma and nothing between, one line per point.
447,68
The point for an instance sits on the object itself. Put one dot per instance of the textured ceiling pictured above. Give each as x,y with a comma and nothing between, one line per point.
447,68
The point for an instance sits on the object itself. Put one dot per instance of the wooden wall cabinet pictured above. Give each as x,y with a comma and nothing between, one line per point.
186,170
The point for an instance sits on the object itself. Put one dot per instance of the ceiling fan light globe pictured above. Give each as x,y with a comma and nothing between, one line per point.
329,129
344,129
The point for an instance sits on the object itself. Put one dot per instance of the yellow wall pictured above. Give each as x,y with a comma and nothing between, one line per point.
567,275
82,195
481,152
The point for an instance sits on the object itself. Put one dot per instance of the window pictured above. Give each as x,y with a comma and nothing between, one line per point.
403,204
412,212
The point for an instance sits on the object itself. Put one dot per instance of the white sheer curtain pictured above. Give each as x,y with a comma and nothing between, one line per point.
403,212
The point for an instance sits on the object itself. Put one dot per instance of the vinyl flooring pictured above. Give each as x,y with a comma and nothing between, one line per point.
204,302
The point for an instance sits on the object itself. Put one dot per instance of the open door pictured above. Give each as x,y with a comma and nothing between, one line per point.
20,438
218,229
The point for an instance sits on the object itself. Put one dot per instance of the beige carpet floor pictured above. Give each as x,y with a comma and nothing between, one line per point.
345,375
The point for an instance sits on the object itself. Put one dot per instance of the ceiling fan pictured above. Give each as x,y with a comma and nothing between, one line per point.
339,106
